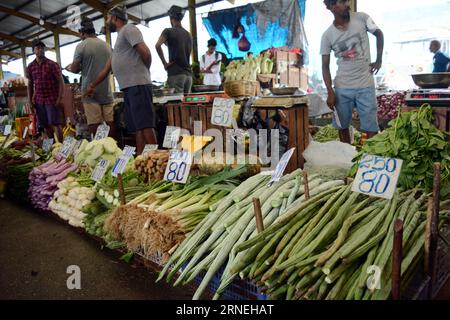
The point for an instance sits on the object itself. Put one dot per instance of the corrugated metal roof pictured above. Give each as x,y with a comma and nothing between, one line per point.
56,12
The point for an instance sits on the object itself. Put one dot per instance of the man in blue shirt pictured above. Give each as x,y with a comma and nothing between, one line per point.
441,60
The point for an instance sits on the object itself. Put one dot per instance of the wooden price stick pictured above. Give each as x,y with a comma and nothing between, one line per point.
397,259
432,230
306,184
6,139
258,215
121,191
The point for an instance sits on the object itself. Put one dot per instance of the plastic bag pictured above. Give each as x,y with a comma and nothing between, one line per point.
330,159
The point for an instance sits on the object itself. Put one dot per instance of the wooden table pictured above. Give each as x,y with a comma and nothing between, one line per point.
293,114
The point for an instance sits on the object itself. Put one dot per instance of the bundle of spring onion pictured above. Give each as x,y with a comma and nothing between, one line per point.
159,220
108,189
325,250
214,241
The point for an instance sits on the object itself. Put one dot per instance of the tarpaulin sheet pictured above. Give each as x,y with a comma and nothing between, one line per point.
257,27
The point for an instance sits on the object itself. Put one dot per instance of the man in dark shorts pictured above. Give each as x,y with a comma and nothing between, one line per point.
130,63
179,43
45,91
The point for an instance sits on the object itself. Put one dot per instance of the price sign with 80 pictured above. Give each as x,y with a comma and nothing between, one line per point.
222,113
178,167
377,176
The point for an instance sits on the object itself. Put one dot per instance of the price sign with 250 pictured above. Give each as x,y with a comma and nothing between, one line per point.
377,176
178,167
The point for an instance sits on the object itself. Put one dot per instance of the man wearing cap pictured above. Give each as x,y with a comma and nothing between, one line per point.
91,55
45,91
179,43
210,65
130,63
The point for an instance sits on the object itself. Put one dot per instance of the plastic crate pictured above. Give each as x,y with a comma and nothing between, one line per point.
237,290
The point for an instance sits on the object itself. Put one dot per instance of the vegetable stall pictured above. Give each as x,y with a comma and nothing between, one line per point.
320,236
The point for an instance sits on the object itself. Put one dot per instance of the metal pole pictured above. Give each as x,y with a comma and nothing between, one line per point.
24,60
109,42
193,25
1,70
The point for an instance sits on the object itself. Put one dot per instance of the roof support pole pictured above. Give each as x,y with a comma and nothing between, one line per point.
1,71
109,42
24,60
193,27
57,48
353,4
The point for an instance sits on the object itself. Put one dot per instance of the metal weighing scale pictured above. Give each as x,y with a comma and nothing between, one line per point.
435,97
203,97
168,98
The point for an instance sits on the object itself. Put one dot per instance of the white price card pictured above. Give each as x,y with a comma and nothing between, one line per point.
25,132
100,170
377,176
178,167
47,145
123,160
68,147
281,166
222,112
102,131
171,137
150,147
29,154
7,130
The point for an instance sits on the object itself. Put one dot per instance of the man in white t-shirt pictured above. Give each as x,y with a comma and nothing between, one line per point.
354,85
210,65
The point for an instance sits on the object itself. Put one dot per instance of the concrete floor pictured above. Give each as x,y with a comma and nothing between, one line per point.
35,251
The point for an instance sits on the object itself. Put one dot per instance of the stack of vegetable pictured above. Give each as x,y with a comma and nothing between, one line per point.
70,199
158,221
152,165
389,105
44,180
323,249
413,138
213,242
249,69
329,133
91,152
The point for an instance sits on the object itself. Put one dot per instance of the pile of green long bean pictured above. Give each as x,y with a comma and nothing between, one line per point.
213,242
329,251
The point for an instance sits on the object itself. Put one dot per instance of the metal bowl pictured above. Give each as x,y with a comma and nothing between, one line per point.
164,91
284,91
205,88
432,80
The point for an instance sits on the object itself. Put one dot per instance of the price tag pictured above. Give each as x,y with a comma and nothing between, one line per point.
68,147
7,129
123,160
47,145
77,146
178,167
100,170
222,112
377,176
171,138
25,132
29,154
281,166
102,131
150,147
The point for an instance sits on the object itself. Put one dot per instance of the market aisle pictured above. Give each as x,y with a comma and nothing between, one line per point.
36,250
